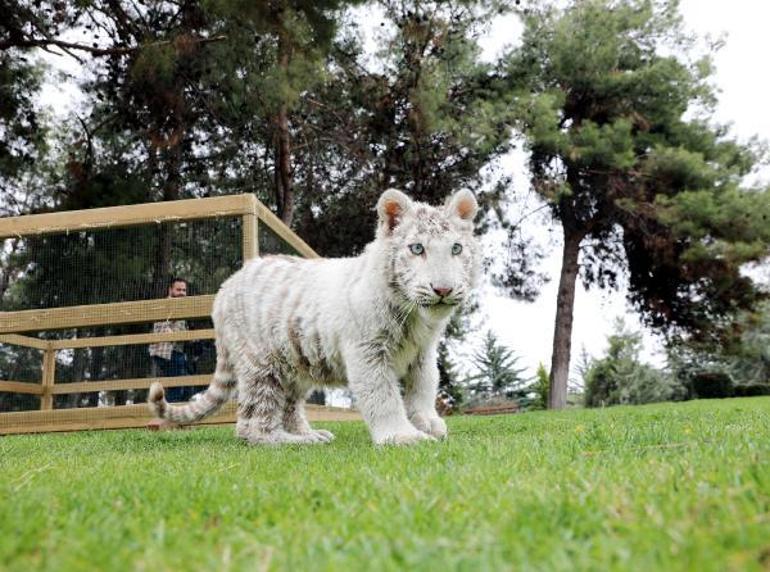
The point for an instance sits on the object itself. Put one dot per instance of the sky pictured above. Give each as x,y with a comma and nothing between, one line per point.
527,328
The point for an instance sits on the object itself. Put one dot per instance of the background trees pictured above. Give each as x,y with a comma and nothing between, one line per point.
749,360
636,185
737,368
419,118
283,99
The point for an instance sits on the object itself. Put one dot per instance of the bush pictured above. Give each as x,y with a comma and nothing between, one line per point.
539,389
620,378
712,385
629,383
751,390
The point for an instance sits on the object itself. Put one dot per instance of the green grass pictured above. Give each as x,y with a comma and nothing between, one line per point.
672,486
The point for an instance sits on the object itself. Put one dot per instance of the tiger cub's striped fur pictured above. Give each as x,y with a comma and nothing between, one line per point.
285,325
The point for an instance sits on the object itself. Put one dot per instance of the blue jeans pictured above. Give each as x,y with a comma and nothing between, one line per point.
174,367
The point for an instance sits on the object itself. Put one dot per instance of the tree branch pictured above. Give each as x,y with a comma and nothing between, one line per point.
65,46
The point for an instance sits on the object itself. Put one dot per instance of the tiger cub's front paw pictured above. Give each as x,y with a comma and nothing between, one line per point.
405,437
433,425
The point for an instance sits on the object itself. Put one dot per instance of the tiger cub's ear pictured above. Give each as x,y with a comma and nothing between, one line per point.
391,208
462,205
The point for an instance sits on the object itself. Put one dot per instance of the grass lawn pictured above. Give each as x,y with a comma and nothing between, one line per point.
664,487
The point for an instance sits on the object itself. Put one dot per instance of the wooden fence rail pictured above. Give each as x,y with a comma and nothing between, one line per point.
128,215
13,325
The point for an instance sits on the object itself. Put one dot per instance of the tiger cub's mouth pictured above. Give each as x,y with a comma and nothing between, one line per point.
441,303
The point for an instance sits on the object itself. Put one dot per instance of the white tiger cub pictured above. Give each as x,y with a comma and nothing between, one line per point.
285,325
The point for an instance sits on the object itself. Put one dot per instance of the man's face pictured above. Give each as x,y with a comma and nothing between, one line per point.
177,290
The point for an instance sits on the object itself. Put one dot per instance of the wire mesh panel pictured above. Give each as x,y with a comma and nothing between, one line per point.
82,367
20,365
12,401
271,243
117,265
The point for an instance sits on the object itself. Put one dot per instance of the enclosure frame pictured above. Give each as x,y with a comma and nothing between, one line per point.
13,325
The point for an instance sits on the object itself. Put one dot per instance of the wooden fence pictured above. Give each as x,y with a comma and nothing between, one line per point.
14,325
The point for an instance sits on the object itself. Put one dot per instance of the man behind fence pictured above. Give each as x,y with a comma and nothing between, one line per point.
169,358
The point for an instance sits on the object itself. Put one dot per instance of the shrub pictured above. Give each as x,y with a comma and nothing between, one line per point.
629,382
712,385
539,389
751,390
621,378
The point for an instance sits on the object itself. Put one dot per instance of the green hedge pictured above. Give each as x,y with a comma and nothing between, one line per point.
752,389
712,385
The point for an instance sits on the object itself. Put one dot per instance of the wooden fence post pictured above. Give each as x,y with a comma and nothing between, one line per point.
49,373
250,236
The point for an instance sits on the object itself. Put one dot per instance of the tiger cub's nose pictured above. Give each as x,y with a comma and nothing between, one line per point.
441,291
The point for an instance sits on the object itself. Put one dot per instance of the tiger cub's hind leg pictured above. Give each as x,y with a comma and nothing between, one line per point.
261,406
295,420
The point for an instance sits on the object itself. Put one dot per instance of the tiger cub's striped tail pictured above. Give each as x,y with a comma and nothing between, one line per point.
207,403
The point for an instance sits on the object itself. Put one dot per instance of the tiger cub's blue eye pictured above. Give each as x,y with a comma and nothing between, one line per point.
416,248
457,248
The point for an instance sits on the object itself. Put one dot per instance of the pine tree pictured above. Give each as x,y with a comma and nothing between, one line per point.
447,374
498,374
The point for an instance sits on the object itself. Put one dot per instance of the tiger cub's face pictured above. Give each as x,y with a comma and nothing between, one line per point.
434,255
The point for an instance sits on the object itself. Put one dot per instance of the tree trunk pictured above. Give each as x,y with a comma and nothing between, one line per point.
286,205
285,192
277,176
172,161
562,334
